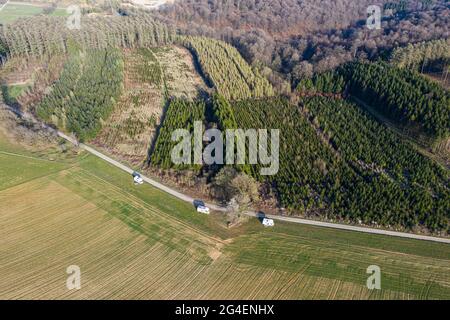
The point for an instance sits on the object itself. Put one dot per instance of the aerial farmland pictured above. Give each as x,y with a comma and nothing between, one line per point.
229,151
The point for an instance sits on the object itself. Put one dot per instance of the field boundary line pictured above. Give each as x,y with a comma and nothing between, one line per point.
138,202
214,207
252,213
348,227
29,157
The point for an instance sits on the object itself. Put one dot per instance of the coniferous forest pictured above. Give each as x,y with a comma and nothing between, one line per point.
338,161
86,93
402,94
360,171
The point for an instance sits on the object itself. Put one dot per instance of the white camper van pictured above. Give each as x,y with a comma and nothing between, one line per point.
137,178
268,222
203,209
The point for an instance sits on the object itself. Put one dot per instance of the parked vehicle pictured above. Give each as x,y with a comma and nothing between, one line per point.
203,209
197,203
268,222
137,178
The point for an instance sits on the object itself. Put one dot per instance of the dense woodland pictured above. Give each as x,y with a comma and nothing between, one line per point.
422,55
86,93
38,36
225,68
273,16
407,185
402,94
180,114
361,173
329,82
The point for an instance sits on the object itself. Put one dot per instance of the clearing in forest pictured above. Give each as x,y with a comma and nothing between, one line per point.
151,76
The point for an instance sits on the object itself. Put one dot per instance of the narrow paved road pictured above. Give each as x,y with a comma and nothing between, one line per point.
4,5
222,209
130,171
254,214
354,228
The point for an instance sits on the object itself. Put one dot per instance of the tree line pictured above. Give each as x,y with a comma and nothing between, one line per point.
337,161
226,70
86,92
180,114
45,35
402,94
420,55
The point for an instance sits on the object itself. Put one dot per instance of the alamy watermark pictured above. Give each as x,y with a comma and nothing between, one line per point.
74,19
74,279
189,148
374,17
374,280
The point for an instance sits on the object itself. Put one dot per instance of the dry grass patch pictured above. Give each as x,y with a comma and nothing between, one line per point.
151,75
138,243
131,127
181,78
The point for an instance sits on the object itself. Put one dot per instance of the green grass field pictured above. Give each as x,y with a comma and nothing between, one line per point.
135,242
12,12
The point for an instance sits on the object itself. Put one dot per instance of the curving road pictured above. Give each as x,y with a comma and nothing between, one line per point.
214,207
130,171
252,213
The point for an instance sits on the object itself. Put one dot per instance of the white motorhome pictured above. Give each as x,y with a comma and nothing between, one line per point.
268,222
203,209
137,178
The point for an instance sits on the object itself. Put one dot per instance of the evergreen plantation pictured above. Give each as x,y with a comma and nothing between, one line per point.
402,94
399,93
336,161
362,172
86,93
225,150
225,68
